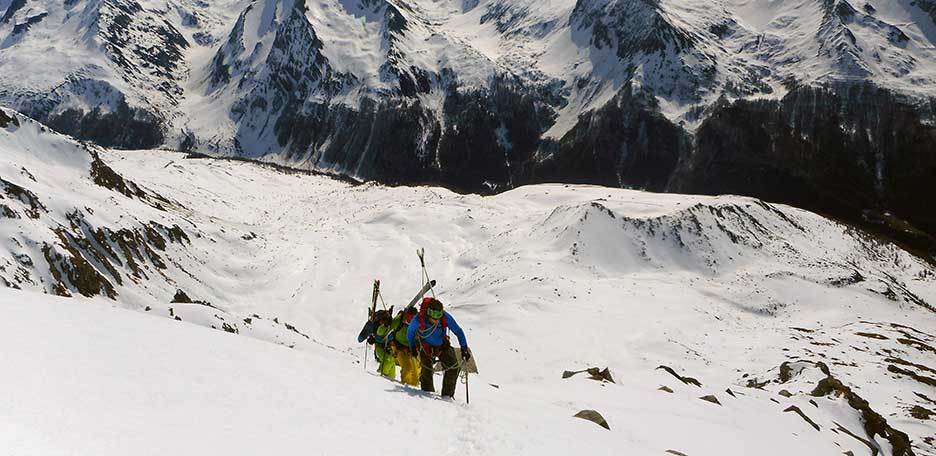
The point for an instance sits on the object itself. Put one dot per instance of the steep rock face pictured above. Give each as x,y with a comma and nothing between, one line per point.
641,33
119,97
929,6
840,44
272,75
626,143
143,45
400,119
402,141
125,127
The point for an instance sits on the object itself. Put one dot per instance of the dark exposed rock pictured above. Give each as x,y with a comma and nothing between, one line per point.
22,27
920,378
799,412
891,359
7,119
123,128
803,330
786,372
873,446
686,380
917,344
710,398
594,373
8,212
15,5
181,297
76,269
874,423
594,417
929,6
921,413
106,177
856,277
33,207
93,256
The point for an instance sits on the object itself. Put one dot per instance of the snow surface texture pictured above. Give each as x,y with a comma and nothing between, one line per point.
741,299
215,71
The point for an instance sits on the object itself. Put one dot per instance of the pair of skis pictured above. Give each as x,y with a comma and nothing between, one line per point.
369,325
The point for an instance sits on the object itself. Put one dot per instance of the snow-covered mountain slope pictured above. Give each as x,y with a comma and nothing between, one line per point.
764,305
686,51
486,95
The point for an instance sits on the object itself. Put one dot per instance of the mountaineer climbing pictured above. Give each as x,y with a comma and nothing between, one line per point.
386,365
406,358
428,334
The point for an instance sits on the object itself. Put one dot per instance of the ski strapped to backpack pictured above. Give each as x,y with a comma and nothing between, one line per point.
369,326
421,253
428,286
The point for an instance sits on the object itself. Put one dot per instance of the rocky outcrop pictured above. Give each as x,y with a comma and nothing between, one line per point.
594,417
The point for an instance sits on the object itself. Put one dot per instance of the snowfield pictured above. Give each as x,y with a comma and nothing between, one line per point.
804,335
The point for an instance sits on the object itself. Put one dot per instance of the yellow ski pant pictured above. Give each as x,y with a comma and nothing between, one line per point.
409,367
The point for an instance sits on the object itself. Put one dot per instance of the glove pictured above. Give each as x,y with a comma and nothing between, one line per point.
370,339
466,354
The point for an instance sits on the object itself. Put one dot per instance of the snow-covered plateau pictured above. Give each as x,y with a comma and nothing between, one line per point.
729,325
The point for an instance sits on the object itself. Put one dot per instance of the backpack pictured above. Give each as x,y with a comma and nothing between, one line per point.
422,326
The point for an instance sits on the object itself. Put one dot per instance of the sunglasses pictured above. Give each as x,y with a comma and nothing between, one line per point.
434,314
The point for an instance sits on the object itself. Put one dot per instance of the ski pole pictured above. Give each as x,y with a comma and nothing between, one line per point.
467,401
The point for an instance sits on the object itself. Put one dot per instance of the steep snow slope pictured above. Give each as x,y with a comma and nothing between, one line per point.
547,278
99,380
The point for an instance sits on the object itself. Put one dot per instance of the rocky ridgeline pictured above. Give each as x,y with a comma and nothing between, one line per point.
723,238
881,372
82,254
